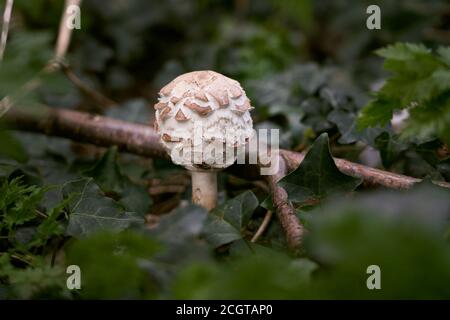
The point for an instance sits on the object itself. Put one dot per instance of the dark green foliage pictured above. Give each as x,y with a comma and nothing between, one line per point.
317,176
307,67
228,222
420,82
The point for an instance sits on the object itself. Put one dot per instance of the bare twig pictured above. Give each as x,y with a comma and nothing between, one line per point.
61,47
370,175
290,223
84,127
143,140
5,26
65,33
263,226
101,100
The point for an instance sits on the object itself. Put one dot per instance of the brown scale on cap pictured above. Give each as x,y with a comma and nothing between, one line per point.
175,100
167,89
241,109
203,111
235,92
168,138
180,116
201,96
221,98
160,105
207,97
164,113
219,87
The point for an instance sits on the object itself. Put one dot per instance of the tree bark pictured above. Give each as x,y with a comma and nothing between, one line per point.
143,140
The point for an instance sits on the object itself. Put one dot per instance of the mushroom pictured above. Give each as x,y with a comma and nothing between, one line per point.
202,118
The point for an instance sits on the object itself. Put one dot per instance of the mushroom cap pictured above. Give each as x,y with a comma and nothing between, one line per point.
202,111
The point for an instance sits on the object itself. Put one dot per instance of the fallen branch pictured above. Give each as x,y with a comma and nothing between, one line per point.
84,127
372,176
142,140
284,209
100,100
262,227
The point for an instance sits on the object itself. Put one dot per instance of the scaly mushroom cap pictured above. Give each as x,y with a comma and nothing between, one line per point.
210,101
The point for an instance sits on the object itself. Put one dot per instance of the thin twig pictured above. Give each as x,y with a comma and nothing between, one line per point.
293,229
41,213
101,100
263,226
17,257
65,33
61,47
143,140
5,26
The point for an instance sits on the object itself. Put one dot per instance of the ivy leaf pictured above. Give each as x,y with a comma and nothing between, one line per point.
317,176
182,224
110,264
135,110
227,222
11,148
390,148
106,172
108,175
382,228
90,211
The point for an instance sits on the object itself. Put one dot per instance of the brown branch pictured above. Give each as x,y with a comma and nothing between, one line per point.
84,127
65,33
61,47
291,225
262,227
143,140
375,177
102,101
5,26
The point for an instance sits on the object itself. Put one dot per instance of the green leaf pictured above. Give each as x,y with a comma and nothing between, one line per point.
403,51
90,211
110,265
420,82
18,202
431,120
401,232
11,148
183,224
106,172
228,222
39,281
51,226
108,175
317,175
390,148
266,275
378,111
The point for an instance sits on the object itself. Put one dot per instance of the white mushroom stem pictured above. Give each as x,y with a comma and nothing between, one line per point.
204,189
